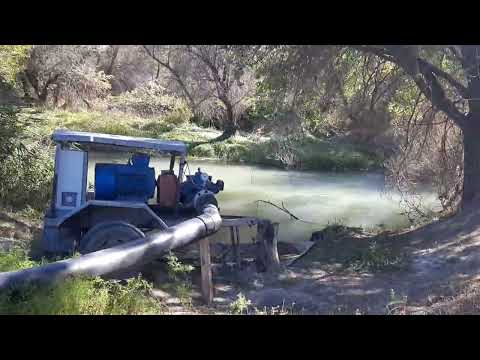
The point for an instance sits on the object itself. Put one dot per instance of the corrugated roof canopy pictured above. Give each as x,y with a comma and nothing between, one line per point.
176,147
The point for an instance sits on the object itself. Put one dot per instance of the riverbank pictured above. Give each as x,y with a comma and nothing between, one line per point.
26,177
433,269
301,153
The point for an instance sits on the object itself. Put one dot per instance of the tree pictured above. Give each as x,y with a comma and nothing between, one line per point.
448,77
445,76
209,75
128,66
69,73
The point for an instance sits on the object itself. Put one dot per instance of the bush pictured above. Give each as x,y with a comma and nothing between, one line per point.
156,128
376,258
81,296
151,100
12,61
231,151
240,306
16,259
203,151
26,169
75,296
26,178
179,115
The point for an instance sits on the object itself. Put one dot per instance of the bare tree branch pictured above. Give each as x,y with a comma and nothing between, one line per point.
175,74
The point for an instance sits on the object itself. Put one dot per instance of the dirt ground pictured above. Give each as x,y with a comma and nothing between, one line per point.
438,273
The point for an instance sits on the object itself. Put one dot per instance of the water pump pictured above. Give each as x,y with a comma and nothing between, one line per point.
199,190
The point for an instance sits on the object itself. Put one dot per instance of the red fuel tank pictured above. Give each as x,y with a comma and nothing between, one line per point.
167,190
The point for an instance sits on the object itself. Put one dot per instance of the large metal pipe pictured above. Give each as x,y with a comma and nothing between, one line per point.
137,252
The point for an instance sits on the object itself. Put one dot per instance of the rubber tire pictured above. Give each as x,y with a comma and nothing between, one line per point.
108,234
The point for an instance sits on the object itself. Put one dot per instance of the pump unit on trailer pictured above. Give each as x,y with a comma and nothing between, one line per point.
120,205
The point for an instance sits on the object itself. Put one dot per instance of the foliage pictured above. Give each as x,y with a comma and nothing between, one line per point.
26,169
212,79
430,152
181,284
243,306
240,306
150,99
82,297
75,296
65,75
375,258
176,269
13,59
311,103
10,131
16,259
26,179
203,151
397,304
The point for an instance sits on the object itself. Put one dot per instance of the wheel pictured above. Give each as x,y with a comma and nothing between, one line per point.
108,234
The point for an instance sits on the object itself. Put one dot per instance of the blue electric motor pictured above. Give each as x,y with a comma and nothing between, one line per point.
198,190
132,182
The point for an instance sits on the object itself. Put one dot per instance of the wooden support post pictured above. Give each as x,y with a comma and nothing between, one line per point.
234,243
267,255
237,258
206,270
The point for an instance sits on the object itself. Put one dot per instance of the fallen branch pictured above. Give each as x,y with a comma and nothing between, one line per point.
302,254
285,210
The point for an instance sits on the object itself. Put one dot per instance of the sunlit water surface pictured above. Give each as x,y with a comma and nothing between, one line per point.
319,198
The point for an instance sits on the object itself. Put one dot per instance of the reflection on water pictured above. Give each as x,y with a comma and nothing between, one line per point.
355,199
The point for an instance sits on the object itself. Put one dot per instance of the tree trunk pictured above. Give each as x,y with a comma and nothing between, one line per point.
109,69
471,127
230,124
471,159
43,95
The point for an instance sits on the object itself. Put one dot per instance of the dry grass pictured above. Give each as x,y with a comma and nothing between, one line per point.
467,302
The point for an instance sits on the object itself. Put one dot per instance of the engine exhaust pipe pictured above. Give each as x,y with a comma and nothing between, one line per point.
137,252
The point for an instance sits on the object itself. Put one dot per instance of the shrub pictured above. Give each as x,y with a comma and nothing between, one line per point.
203,150
176,269
26,177
12,61
156,128
230,151
26,169
241,305
82,296
376,258
150,99
179,115
16,259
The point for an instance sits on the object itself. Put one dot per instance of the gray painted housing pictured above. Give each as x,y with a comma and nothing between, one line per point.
176,147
